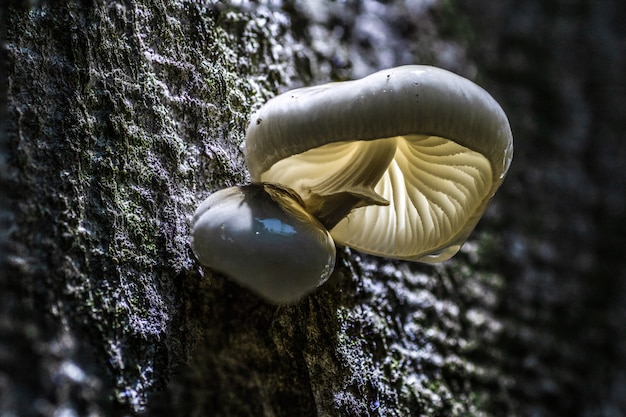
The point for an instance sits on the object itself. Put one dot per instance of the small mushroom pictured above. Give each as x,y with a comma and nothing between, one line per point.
401,163
261,236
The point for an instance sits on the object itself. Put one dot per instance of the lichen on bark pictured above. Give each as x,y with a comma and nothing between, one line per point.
121,116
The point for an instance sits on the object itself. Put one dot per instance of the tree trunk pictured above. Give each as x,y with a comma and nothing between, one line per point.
120,117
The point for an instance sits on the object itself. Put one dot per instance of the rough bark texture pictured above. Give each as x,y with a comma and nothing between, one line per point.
119,117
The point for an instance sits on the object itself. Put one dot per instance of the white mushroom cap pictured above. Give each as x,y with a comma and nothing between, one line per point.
260,236
401,163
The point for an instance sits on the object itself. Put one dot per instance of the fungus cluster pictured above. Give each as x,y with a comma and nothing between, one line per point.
400,164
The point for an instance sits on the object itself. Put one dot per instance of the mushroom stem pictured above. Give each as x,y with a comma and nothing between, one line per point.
331,209
341,181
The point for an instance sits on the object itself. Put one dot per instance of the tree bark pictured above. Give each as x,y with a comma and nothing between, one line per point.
120,117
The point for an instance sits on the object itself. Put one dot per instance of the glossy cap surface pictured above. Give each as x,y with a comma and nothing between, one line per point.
260,236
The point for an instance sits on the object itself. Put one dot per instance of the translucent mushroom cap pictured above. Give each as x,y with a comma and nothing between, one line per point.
401,163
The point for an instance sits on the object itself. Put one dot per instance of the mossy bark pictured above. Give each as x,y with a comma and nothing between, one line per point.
121,116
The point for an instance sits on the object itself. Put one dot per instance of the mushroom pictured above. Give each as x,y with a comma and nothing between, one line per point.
400,164
261,236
